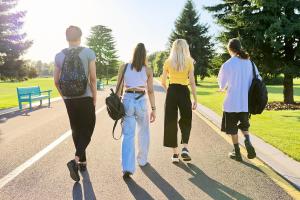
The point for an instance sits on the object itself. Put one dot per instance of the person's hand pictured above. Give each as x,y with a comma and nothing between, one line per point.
194,106
95,102
152,116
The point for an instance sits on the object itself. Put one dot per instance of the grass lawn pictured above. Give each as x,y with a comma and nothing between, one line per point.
8,91
279,128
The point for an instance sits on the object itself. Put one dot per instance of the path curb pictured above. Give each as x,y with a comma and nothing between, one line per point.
282,164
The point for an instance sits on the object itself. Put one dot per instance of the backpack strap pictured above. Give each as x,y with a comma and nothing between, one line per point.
122,80
113,132
253,70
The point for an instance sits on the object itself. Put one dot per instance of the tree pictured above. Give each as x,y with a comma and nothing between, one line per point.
12,42
159,61
32,72
102,42
150,58
269,30
187,27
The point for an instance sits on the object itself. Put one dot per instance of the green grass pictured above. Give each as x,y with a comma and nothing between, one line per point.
279,128
8,91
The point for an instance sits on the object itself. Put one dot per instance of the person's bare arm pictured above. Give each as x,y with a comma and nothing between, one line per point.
193,87
93,80
56,75
120,73
164,80
151,96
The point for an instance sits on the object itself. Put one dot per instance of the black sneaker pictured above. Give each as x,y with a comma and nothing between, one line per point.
126,174
175,158
185,154
235,156
82,167
250,150
73,168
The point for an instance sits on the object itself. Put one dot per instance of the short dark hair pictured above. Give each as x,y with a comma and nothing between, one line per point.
139,57
235,46
73,33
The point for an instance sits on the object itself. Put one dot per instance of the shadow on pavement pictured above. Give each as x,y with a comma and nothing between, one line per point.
88,186
88,189
77,191
137,191
210,186
168,190
25,112
252,166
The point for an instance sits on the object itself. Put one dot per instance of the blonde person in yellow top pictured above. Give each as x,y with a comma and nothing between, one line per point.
179,68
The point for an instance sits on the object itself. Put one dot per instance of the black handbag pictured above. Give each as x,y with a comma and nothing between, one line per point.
114,105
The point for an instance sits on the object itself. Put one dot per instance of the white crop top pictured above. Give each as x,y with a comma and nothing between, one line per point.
134,79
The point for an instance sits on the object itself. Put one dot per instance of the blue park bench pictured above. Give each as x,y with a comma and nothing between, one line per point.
30,94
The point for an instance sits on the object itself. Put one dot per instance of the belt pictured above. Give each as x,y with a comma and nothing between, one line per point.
142,93
135,92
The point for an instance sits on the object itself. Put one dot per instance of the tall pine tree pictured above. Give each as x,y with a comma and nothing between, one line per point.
102,42
269,30
12,42
188,27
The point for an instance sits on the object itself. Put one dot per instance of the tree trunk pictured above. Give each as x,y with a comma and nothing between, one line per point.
288,89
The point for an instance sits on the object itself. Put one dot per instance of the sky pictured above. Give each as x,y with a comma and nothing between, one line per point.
131,21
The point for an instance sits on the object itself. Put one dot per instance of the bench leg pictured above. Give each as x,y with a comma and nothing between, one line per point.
30,106
49,102
41,101
20,105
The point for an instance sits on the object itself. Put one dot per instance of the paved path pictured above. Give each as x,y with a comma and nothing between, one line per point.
211,175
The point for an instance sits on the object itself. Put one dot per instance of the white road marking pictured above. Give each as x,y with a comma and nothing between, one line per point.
13,174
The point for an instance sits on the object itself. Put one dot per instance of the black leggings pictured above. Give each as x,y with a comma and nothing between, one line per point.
82,117
178,96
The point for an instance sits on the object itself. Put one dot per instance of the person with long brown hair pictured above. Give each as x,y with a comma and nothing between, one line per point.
138,79
235,77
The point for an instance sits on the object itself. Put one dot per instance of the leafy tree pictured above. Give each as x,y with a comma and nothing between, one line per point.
102,42
159,61
269,30
187,27
12,42
32,72
151,57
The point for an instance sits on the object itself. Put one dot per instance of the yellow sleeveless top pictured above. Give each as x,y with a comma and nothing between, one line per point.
179,77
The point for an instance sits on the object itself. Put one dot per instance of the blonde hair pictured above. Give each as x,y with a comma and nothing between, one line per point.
73,33
179,55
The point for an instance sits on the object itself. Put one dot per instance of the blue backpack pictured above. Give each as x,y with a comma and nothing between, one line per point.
73,80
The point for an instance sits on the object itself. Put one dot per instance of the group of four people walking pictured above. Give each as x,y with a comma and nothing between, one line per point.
235,76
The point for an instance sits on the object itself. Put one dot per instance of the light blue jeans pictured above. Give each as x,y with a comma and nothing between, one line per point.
136,114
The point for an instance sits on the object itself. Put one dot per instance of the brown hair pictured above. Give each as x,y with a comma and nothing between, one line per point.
139,57
73,33
235,46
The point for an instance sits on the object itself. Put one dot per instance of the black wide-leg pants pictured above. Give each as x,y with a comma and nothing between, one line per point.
82,117
178,97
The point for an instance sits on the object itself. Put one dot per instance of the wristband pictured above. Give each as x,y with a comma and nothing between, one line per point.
153,108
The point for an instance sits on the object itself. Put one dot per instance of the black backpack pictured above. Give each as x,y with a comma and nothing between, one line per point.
258,94
73,80
115,107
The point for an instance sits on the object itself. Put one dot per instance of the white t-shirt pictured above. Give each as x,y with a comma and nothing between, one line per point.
236,76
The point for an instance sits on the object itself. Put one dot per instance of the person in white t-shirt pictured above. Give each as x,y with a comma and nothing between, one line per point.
235,77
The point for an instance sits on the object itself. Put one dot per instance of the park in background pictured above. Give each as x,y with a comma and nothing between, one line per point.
268,30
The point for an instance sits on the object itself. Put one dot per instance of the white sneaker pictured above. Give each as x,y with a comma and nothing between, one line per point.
175,158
